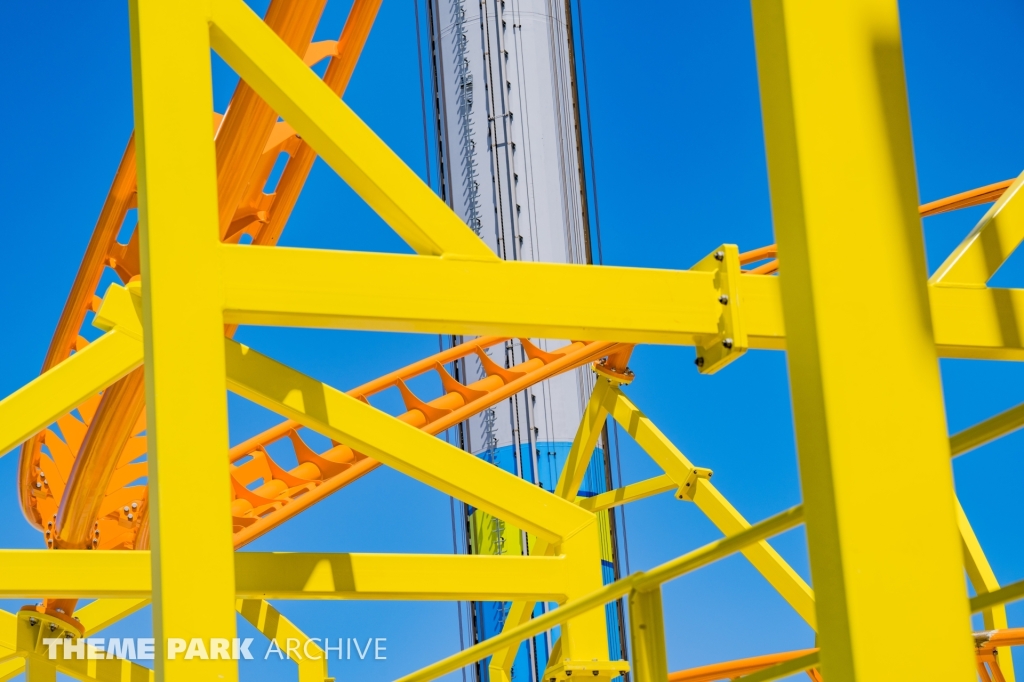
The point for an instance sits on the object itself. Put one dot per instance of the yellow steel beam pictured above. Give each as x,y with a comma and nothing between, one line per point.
400,576
66,386
98,614
311,660
192,563
988,245
978,323
628,493
8,635
784,669
647,634
643,581
11,668
987,431
347,144
1004,595
870,426
124,577
393,292
407,449
983,578
30,573
568,485
296,287
709,500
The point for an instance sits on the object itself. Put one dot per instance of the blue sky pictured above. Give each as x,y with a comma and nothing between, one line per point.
680,168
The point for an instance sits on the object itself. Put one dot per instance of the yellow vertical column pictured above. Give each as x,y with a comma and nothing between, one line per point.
193,562
867,397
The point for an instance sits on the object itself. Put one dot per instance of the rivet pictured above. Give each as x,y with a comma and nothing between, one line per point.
727,343
723,299
699,362
53,627
32,622
719,255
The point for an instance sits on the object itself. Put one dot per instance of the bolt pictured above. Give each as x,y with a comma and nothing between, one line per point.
68,635
568,673
719,255
727,343
39,485
32,622
53,627
595,673
699,362
126,509
42,474
135,505
131,517
723,299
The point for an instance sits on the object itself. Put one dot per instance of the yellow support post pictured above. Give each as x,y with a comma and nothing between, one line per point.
870,427
647,633
568,485
983,578
193,563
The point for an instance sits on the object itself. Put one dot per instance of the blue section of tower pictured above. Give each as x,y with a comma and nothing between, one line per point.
489,617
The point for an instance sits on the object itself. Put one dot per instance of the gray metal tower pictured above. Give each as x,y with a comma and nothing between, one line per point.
511,165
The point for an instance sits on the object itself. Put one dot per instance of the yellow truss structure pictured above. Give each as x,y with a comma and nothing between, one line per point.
836,122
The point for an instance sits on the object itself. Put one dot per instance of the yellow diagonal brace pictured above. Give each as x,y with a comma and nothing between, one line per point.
983,578
311,661
628,493
186,410
987,431
407,449
8,635
66,386
870,427
988,245
347,144
98,614
709,500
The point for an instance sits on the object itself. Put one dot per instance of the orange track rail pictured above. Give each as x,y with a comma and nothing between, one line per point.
974,197
985,644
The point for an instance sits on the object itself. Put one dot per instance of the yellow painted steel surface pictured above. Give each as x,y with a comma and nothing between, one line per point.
835,115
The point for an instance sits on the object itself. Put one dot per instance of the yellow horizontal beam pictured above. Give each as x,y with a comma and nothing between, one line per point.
307,287
328,411
10,669
713,504
125,575
641,581
393,292
628,493
399,576
34,573
67,385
